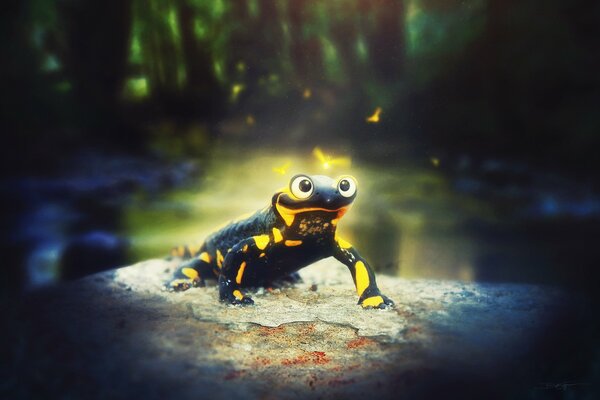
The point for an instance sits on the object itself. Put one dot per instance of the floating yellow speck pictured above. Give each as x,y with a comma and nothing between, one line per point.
236,89
307,94
282,170
250,121
435,161
327,161
374,119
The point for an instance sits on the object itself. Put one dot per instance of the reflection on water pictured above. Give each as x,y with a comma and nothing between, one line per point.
485,222
406,221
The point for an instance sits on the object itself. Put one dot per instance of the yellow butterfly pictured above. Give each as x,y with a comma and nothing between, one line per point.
373,119
328,161
283,169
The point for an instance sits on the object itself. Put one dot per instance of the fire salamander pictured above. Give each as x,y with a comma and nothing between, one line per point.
297,229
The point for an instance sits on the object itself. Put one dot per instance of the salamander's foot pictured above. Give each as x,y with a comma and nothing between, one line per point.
186,278
379,301
237,298
181,285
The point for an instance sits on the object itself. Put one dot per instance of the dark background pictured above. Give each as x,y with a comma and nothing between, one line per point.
104,102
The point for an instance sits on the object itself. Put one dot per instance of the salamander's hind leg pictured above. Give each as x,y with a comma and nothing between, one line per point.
189,274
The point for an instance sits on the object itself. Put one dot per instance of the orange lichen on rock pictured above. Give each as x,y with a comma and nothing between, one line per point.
313,357
359,342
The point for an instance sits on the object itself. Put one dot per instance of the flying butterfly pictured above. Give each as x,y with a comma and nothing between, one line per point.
282,170
327,161
374,119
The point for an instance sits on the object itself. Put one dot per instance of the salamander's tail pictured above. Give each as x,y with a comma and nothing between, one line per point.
192,270
186,251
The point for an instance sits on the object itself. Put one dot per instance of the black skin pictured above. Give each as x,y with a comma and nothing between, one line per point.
296,230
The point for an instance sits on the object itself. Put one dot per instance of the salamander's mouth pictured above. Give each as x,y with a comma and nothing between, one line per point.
288,212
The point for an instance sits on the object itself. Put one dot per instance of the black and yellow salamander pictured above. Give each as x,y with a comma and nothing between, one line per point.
297,229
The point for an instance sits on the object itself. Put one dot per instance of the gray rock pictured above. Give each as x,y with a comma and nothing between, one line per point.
120,334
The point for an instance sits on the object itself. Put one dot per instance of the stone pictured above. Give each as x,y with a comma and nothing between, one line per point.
120,334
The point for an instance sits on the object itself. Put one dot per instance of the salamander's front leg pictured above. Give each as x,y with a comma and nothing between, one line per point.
363,276
234,268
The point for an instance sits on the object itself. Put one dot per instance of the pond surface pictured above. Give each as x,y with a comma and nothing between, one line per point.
409,221
490,221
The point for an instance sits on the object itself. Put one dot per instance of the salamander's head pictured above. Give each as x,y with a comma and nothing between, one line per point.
317,194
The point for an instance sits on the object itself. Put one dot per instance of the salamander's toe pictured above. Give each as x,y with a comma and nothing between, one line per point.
379,301
179,285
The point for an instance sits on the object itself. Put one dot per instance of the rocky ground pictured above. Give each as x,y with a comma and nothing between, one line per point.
119,334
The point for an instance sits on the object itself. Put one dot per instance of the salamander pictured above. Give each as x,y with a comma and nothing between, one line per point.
298,228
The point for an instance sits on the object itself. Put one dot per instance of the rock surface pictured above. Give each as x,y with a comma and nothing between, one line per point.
120,334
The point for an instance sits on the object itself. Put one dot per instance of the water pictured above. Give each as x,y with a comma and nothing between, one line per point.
492,221
409,221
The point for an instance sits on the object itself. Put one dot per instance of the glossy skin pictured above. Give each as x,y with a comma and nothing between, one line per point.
297,229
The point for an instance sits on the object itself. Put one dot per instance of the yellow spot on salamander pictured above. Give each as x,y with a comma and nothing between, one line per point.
204,256
245,248
277,236
343,244
190,273
261,241
287,216
261,255
334,222
219,259
238,295
374,301
291,243
240,273
362,277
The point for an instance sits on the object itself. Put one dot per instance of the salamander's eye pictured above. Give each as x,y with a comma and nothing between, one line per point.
301,187
347,186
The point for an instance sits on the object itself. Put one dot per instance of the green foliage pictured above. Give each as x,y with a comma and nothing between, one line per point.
467,68
441,33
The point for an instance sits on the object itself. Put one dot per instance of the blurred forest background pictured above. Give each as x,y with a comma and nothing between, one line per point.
516,79
474,120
